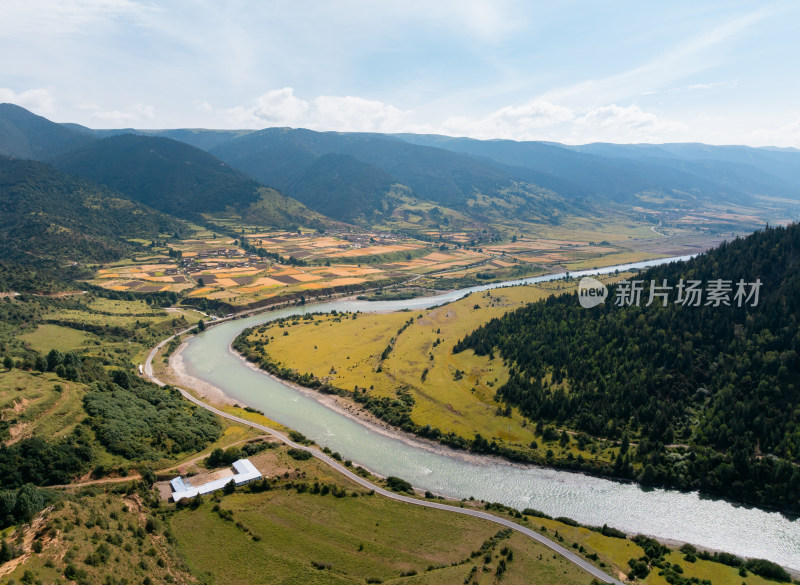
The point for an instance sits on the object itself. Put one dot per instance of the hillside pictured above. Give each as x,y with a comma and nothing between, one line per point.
365,165
168,175
181,180
709,392
610,172
26,135
344,188
52,217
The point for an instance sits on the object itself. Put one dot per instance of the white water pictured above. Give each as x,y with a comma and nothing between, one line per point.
667,514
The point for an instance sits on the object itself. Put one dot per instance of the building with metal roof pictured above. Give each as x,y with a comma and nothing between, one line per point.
245,473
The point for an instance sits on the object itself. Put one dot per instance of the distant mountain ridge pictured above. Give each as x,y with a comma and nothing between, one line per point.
379,179
166,174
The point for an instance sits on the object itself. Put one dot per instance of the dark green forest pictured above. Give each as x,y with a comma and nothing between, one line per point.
50,218
706,396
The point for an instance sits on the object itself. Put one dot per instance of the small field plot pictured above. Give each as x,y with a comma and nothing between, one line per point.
47,337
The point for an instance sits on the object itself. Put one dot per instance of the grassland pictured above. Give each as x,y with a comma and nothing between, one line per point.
40,405
46,337
95,538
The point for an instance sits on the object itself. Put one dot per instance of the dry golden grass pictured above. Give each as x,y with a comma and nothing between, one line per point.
457,391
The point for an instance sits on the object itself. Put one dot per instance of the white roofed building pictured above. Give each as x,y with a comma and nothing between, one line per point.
245,473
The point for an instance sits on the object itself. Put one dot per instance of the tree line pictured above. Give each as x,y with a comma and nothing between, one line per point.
718,381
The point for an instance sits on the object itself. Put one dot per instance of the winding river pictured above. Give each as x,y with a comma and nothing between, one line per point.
666,514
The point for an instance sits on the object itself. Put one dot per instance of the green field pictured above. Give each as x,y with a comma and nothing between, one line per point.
47,337
40,405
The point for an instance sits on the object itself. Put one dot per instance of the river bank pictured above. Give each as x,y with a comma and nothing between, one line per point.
178,375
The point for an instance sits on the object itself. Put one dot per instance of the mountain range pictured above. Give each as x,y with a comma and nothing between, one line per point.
288,177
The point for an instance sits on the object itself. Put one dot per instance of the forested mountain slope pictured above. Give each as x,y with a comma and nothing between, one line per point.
300,161
51,217
624,172
168,175
26,135
710,393
182,180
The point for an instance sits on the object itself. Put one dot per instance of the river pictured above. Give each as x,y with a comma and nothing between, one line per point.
667,514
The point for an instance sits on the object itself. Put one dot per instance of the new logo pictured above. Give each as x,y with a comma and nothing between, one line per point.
591,292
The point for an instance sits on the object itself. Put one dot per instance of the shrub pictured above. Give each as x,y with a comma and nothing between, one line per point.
399,485
299,454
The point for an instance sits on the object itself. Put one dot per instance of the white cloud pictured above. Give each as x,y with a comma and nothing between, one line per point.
281,107
204,107
118,118
524,122
534,120
278,107
773,134
615,123
39,101
358,114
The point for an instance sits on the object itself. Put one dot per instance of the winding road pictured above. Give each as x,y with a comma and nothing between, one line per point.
554,546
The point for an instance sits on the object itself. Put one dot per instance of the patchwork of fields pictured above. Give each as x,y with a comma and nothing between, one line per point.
290,265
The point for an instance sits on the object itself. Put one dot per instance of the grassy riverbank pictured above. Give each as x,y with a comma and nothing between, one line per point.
400,367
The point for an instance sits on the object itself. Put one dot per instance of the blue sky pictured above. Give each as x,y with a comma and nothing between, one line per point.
568,71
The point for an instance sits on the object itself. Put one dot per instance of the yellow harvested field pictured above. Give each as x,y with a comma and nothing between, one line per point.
438,257
200,291
374,251
334,282
331,283
227,273
157,278
227,282
351,270
118,287
221,294
457,391
306,277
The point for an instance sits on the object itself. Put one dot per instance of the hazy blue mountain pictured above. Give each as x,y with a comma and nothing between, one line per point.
620,172
26,135
356,176
783,163
197,137
294,160
432,173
